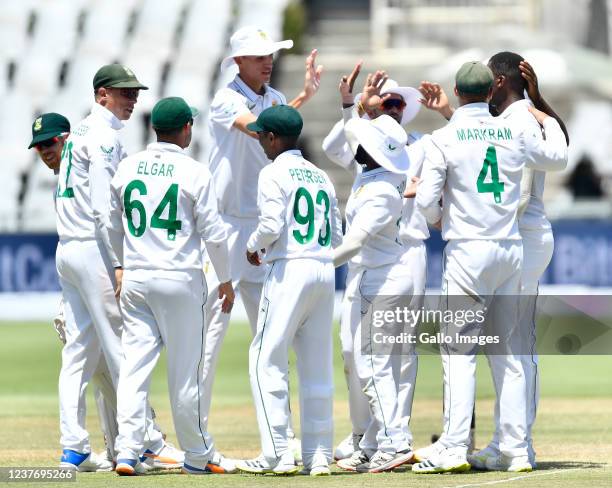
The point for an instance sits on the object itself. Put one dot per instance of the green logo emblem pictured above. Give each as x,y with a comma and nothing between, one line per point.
107,150
391,148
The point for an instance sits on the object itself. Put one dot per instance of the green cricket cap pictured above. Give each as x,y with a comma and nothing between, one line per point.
474,78
172,113
47,126
116,76
282,120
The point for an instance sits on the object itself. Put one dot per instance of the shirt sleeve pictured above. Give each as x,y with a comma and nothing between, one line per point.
335,145
550,153
272,203
526,184
209,225
380,206
433,178
226,107
115,230
104,156
336,224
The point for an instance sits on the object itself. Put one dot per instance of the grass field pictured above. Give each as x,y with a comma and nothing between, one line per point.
573,434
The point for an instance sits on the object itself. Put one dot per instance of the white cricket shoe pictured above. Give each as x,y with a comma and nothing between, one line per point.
449,460
385,461
425,453
319,466
285,465
130,467
357,459
168,457
84,461
346,448
517,464
478,460
219,464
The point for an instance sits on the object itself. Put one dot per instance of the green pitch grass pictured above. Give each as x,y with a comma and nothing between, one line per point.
573,434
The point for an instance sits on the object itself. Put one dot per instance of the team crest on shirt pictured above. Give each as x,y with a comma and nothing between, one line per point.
38,124
108,151
358,191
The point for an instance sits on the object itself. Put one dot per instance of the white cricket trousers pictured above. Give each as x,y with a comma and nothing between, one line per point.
93,327
478,269
415,260
386,376
538,247
163,308
296,309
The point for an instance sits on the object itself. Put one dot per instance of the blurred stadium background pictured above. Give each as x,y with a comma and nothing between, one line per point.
50,49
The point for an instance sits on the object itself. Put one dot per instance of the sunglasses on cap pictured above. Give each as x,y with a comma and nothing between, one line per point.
46,143
393,103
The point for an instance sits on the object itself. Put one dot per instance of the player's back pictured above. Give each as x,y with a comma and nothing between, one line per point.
483,157
310,208
162,191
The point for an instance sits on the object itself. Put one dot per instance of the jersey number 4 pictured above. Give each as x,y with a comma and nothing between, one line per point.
170,200
495,186
302,194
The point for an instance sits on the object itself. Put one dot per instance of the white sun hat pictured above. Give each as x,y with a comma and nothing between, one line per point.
251,41
410,95
382,138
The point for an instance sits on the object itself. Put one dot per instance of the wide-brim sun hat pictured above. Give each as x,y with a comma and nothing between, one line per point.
382,138
252,41
410,95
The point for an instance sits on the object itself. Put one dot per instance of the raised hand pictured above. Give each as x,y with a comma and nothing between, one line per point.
312,77
370,96
435,98
347,83
529,75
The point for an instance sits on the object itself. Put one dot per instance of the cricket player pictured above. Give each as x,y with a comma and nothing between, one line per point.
84,262
235,162
49,132
474,165
299,223
513,75
163,204
376,272
382,96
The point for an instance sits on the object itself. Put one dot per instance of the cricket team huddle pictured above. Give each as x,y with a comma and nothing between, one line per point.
153,245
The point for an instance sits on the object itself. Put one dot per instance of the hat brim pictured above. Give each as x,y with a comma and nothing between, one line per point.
256,51
255,127
44,137
128,84
359,132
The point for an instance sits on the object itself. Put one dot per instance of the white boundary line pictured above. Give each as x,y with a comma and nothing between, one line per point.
516,478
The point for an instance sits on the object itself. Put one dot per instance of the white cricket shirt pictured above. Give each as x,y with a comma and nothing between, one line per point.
236,158
299,215
375,206
163,203
90,158
534,216
475,164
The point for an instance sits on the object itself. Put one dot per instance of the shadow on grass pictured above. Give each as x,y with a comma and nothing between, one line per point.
548,465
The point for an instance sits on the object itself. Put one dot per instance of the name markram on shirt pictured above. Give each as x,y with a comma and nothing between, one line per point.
486,134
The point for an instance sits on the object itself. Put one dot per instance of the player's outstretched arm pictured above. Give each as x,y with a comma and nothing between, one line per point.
548,154
351,245
312,81
533,90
